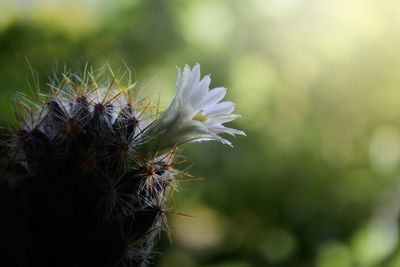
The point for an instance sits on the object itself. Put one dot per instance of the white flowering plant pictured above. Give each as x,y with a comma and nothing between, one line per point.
90,168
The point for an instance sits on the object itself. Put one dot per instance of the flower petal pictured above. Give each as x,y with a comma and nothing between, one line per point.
221,119
213,96
184,88
222,129
201,92
225,107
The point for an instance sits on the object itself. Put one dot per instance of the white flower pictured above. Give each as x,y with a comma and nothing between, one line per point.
195,113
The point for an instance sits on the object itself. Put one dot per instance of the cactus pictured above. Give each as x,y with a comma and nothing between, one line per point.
87,174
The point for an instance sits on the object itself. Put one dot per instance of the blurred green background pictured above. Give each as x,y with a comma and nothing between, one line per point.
316,181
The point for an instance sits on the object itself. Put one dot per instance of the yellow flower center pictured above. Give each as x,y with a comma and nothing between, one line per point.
200,116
